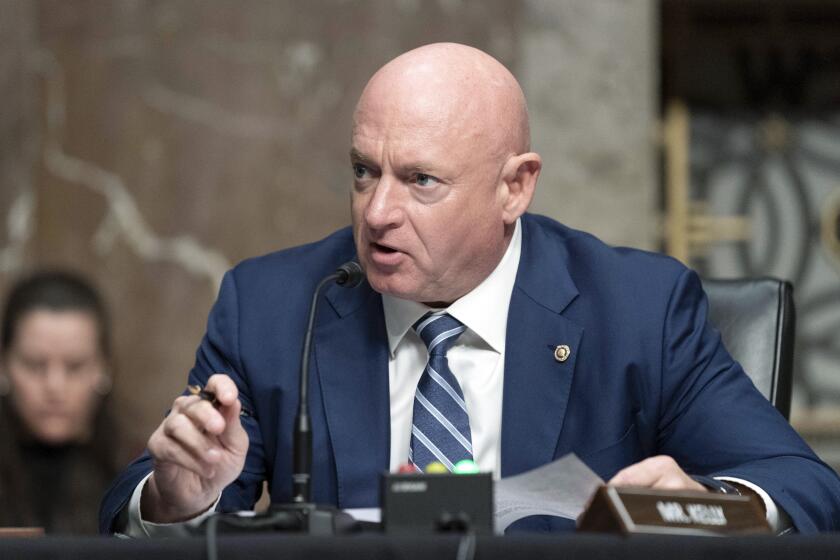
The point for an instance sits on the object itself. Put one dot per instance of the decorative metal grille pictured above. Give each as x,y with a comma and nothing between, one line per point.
780,175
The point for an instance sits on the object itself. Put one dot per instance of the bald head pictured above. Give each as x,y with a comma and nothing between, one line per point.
466,89
441,170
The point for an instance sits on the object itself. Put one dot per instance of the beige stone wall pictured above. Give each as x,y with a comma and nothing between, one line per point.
153,144
588,69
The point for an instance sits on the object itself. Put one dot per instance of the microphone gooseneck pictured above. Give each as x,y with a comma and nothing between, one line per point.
348,275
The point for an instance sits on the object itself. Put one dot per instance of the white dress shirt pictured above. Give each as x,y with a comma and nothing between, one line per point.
477,360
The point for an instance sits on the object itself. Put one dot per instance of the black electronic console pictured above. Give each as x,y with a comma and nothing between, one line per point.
435,503
315,519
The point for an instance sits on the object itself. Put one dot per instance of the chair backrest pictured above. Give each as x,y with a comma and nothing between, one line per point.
756,319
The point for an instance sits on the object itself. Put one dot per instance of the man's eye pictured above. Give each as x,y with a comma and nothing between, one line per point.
359,170
425,180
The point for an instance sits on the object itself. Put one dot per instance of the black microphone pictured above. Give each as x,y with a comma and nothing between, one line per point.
301,515
349,275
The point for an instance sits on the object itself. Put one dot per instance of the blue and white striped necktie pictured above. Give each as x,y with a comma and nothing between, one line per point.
440,428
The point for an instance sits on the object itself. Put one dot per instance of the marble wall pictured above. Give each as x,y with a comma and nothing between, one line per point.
153,144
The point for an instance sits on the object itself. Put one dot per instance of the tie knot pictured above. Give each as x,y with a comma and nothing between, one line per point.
439,331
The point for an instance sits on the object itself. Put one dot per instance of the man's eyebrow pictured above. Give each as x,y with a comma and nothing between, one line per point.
356,155
419,167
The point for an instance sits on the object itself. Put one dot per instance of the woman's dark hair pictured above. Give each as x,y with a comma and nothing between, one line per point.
40,485
54,291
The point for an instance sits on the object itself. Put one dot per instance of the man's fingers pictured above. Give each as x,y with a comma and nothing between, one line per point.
645,473
203,436
234,436
166,448
224,388
204,415
179,436
183,431
660,472
219,416
222,421
180,457
634,475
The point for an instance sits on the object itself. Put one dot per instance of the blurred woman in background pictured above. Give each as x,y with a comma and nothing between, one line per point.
57,443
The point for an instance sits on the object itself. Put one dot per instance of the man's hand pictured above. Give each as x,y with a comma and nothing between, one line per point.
197,451
660,472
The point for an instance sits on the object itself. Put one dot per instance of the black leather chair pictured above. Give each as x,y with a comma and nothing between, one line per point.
756,319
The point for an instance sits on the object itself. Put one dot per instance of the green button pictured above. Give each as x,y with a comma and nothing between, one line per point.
466,467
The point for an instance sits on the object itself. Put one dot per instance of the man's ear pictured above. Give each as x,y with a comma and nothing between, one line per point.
519,175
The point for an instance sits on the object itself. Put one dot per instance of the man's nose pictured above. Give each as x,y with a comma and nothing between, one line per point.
385,207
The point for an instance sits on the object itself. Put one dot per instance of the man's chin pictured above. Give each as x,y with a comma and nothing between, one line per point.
393,285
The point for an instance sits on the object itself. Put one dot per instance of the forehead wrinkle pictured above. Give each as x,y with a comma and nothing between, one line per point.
408,145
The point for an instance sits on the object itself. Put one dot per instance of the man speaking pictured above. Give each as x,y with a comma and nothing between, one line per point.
481,332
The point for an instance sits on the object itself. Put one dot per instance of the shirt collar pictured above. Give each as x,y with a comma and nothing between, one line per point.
484,310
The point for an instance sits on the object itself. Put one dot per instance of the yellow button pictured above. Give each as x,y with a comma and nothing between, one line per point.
436,468
562,353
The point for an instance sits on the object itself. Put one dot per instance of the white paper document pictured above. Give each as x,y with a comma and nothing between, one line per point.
372,515
561,488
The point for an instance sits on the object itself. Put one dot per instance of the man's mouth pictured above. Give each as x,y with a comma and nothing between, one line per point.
383,248
385,255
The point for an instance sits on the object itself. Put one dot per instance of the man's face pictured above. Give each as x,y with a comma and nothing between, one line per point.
427,215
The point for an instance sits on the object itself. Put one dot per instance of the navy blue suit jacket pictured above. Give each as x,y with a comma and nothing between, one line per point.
647,375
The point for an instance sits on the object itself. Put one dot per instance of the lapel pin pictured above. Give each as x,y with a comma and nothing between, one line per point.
562,353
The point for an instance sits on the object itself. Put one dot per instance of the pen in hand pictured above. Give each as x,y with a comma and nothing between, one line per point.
210,396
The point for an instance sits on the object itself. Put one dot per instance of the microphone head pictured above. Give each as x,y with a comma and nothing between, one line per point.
350,274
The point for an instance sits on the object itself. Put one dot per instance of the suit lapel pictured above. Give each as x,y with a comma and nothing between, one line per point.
352,362
537,384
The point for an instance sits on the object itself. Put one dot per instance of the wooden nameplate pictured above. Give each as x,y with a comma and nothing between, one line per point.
646,511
